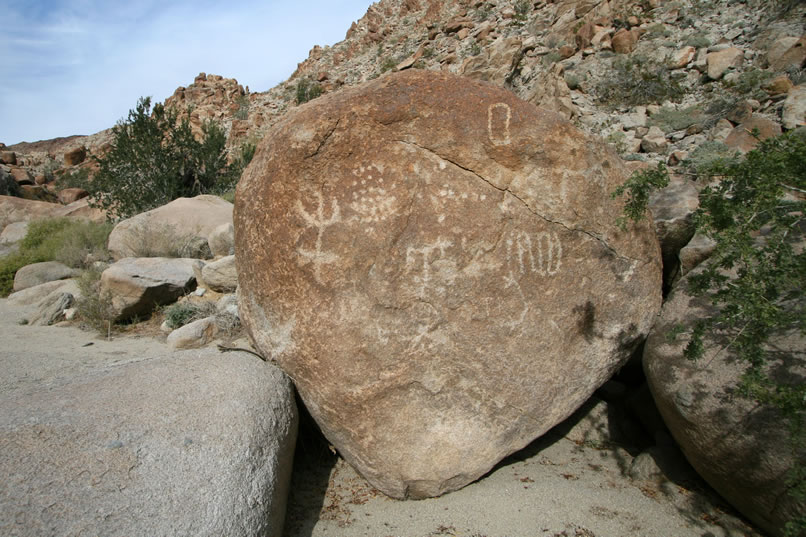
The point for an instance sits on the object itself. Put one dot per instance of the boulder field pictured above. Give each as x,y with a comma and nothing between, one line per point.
437,266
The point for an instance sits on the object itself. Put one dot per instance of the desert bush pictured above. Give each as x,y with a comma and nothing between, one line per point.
697,41
155,158
638,81
152,239
709,154
243,108
754,210
522,9
8,186
79,178
749,83
671,119
307,90
182,313
75,243
94,309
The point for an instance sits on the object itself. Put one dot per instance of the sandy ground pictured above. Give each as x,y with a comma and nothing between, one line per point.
554,487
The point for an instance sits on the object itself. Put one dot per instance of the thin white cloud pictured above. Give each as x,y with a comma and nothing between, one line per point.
76,67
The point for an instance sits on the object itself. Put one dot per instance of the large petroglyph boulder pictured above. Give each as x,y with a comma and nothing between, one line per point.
436,265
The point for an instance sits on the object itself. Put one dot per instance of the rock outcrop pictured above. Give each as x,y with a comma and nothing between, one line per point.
436,264
150,443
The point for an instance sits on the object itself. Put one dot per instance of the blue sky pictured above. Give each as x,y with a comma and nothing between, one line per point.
77,67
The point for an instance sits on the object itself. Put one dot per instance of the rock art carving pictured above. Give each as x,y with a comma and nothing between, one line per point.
317,257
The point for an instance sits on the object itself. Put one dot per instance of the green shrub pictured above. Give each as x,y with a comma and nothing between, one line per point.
243,108
657,30
638,81
75,243
697,41
709,154
522,9
307,90
749,83
95,310
155,158
672,119
182,313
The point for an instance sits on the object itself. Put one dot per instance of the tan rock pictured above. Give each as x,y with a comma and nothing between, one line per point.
683,57
719,62
22,176
566,51
794,112
193,335
221,275
654,141
778,85
584,35
442,276
222,240
69,195
75,157
741,136
787,52
624,41
496,62
38,273
8,157
135,286
185,219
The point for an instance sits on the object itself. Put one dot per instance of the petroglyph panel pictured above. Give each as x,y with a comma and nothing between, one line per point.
540,253
316,220
499,116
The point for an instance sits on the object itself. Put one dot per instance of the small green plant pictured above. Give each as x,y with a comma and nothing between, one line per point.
482,13
522,9
638,188
657,30
307,90
154,239
73,242
95,310
672,119
709,154
182,313
551,58
388,64
572,81
638,81
749,83
243,108
753,209
79,178
697,41
475,49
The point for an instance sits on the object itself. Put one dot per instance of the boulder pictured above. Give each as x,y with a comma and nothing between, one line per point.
436,264
654,141
496,62
75,156
624,41
179,222
673,216
741,136
794,112
14,233
222,240
128,439
135,286
8,157
221,275
719,62
192,335
787,52
8,186
51,309
43,292
778,85
683,57
69,195
739,447
14,209
698,249
37,273
22,176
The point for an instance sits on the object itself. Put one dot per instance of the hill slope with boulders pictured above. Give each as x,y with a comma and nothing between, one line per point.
396,234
